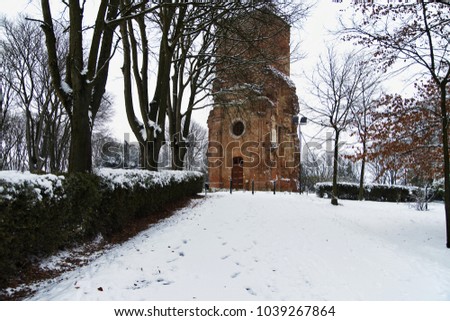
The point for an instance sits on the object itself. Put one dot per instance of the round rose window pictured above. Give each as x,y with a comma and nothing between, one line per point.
238,128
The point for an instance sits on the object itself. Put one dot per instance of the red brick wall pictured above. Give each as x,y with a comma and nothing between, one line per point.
264,101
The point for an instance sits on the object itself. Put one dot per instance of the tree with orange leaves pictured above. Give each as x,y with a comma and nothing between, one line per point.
405,134
416,34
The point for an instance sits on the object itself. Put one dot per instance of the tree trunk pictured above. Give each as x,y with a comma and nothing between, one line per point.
334,199
80,158
1,122
177,164
445,149
32,161
1,138
160,102
361,177
151,153
52,148
135,125
178,138
186,131
178,153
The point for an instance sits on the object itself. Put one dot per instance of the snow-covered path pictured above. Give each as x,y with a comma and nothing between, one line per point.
272,247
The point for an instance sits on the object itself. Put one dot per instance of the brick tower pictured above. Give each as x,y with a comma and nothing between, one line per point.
252,135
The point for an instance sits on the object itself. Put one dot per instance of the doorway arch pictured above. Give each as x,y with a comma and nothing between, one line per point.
237,173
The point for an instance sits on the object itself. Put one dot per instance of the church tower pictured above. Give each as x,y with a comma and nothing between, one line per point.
252,133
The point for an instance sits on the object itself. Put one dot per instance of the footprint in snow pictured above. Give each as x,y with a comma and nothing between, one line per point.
272,289
140,284
235,275
164,282
250,291
225,257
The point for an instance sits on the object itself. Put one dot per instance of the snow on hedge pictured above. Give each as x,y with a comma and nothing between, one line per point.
14,182
369,186
127,178
373,192
328,184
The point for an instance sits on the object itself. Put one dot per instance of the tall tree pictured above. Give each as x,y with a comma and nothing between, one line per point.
23,54
416,33
81,90
150,131
12,140
192,75
361,120
335,83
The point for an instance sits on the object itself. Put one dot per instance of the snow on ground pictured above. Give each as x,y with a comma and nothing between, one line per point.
272,247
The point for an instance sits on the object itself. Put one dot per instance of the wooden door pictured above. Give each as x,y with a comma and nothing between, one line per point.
237,173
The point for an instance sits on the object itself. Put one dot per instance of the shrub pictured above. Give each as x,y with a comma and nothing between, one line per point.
40,214
385,193
30,219
345,190
81,206
130,194
372,192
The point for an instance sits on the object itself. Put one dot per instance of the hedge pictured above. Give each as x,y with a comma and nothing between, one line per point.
372,192
40,214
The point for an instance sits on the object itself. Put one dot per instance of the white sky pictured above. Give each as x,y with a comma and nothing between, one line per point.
314,38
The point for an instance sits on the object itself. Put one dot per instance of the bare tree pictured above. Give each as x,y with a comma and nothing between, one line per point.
22,51
81,90
12,129
197,148
361,120
15,150
192,74
335,84
150,131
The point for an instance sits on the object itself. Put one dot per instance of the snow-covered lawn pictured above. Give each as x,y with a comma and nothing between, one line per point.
272,247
